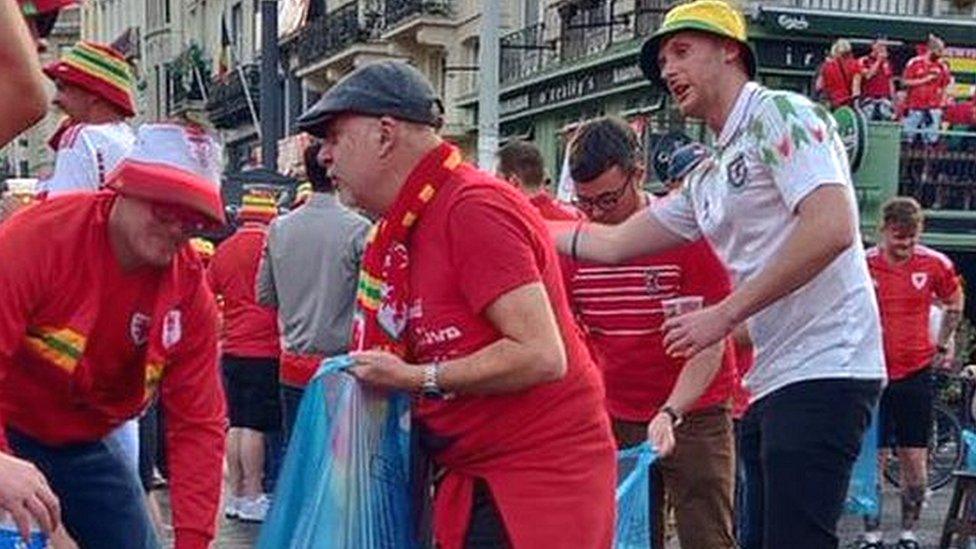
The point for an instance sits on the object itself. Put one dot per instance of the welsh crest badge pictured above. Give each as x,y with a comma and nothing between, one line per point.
736,171
139,329
919,280
172,328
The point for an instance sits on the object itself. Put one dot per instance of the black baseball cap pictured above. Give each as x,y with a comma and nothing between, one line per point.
384,88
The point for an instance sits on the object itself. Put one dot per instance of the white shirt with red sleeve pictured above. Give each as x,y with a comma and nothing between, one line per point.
86,155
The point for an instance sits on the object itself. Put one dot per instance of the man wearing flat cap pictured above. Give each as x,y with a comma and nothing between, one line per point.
102,304
461,301
778,205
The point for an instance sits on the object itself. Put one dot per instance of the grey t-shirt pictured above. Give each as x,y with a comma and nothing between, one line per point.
309,270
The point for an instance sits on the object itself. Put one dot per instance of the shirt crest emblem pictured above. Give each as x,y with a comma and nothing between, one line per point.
919,280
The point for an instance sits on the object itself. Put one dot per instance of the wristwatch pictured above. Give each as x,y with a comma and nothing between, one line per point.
430,388
676,416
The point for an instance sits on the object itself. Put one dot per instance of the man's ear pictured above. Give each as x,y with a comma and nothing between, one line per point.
640,174
388,134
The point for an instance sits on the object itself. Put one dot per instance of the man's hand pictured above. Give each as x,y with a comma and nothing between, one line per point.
686,335
25,494
660,434
386,370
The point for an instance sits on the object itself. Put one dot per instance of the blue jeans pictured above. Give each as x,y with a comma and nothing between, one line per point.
923,124
798,446
102,502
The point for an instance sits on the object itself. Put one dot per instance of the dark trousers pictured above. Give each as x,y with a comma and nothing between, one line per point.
291,399
486,529
798,446
102,502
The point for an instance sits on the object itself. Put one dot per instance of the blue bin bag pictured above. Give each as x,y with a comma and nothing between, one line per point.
863,493
633,497
345,480
969,439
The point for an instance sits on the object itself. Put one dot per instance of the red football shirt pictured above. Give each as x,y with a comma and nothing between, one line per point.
51,258
837,79
546,452
620,307
551,210
930,95
249,330
879,85
905,295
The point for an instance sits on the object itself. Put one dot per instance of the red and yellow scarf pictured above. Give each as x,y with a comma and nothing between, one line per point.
383,295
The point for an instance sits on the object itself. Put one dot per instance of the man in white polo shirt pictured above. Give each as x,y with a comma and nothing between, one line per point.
777,204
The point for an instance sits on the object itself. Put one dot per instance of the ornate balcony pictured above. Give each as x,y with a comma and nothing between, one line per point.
334,32
397,12
227,106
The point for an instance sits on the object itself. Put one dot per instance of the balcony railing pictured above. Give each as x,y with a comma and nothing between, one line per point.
187,88
911,8
524,53
587,30
398,11
228,105
335,31
941,176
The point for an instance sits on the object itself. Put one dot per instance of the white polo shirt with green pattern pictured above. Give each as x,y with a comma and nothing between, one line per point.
775,149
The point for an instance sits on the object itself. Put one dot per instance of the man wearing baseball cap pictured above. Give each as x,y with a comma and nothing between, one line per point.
778,205
102,304
94,89
461,302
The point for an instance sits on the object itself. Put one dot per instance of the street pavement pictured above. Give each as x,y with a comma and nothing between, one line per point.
237,535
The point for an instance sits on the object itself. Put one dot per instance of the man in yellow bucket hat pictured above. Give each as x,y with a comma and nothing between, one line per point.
777,204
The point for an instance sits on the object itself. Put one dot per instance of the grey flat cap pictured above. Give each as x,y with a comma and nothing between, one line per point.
385,88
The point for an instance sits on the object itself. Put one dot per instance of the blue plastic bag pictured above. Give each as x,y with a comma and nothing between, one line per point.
864,491
345,480
969,440
633,529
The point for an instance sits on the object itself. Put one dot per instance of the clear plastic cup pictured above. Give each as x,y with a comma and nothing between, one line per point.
677,306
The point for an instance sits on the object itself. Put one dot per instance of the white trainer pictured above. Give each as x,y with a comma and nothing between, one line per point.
232,506
253,509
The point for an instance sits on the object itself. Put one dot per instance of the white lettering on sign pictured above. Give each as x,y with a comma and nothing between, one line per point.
793,22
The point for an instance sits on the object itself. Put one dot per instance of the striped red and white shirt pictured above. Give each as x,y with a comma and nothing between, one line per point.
620,308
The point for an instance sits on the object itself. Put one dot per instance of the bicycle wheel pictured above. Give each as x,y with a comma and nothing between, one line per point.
945,450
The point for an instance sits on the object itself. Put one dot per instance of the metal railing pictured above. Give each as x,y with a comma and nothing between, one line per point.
524,53
940,175
227,106
331,33
398,11
583,32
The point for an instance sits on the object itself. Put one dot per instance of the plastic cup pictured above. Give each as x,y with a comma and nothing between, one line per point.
677,306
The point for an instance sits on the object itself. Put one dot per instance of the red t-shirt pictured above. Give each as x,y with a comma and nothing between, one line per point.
250,330
546,452
620,308
905,295
53,257
551,210
880,85
930,95
962,113
837,79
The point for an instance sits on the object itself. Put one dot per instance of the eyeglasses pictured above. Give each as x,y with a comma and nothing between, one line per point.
604,201
188,220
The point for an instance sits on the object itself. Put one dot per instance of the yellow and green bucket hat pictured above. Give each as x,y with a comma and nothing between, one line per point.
712,16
